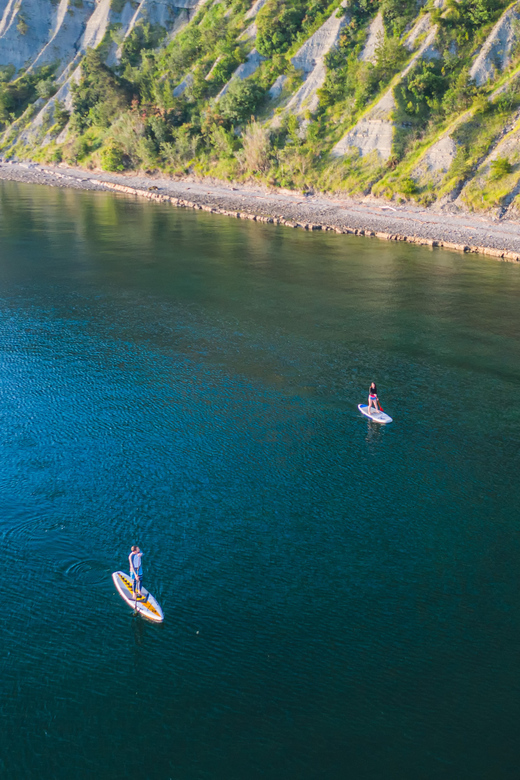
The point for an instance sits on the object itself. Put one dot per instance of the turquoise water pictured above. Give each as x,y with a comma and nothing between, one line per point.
342,600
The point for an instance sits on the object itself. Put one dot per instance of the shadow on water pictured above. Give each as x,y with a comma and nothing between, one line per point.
374,433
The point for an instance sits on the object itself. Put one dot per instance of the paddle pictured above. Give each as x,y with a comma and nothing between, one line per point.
132,571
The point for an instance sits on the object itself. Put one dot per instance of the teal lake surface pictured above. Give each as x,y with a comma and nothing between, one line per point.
342,600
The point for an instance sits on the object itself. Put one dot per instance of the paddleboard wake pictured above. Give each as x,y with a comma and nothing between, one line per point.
379,417
148,607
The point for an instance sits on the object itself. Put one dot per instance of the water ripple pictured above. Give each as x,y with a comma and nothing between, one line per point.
339,597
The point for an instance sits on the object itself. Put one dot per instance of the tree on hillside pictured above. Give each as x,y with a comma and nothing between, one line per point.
100,95
241,101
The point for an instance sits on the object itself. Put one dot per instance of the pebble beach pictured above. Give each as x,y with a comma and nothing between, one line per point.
462,232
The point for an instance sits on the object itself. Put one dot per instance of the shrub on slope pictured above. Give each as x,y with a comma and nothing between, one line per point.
241,101
100,95
16,95
278,23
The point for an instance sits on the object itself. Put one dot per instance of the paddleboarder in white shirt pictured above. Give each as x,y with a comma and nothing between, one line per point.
136,570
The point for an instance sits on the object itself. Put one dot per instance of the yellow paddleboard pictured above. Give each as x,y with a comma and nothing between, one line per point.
148,607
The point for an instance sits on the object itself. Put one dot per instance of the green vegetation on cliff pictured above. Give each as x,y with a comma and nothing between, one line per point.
369,95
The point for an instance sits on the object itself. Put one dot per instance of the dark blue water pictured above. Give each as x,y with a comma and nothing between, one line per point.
342,600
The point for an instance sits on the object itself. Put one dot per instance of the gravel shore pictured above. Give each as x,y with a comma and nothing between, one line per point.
459,232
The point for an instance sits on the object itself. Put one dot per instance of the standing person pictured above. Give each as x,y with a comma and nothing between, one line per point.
372,398
136,570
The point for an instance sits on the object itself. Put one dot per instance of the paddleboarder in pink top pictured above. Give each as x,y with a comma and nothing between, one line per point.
372,398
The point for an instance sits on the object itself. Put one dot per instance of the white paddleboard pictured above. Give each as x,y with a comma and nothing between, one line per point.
379,417
149,607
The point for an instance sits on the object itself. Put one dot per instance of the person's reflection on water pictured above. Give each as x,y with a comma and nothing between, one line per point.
374,432
138,629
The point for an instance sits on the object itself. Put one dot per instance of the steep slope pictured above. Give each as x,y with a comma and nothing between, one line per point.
310,61
375,131
358,96
497,52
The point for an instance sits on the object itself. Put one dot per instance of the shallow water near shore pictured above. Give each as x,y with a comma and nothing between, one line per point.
341,599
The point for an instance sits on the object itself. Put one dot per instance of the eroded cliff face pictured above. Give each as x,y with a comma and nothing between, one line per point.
355,99
38,32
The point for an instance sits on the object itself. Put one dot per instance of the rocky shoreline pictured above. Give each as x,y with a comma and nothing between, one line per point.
465,232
